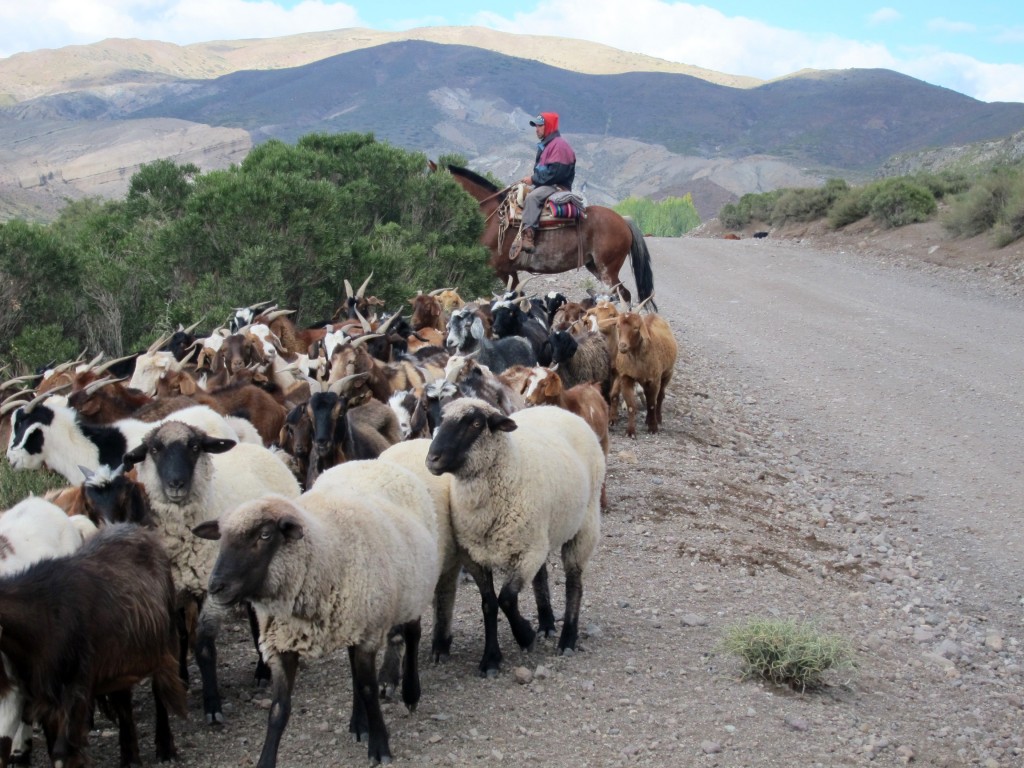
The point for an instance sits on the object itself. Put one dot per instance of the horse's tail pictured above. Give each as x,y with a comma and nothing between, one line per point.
640,260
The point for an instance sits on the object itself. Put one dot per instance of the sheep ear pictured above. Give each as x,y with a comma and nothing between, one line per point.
499,422
291,528
208,530
218,444
134,456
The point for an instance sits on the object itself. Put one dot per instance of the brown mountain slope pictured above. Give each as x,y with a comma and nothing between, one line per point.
117,61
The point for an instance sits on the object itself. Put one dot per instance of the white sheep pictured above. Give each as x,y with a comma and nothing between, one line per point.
30,531
52,434
191,477
412,455
337,568
522,487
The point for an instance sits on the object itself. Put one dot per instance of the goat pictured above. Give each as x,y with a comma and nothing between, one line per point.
646,355
109,607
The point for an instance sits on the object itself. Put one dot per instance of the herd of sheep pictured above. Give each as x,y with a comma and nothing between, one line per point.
332,482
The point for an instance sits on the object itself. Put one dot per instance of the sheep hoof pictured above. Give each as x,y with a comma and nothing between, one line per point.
490,673
215,718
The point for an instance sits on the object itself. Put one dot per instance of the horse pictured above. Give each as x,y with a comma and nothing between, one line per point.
599,242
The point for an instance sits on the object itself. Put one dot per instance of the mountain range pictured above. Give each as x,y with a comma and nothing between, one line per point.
78,121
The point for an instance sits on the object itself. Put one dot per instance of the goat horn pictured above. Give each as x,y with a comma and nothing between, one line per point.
7,407
94,361
272,316
260,304
64,366
359,293
384,328
437,292
360,340
99,384
17,380
39,398
638,306
367,328
337,386
160,341
348,290
109,363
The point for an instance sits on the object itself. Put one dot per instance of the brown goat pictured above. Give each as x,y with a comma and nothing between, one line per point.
646,355
544,387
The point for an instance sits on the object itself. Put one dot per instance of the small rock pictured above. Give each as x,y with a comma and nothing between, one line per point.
700,587
710,747
994,642
693,620
796,723
948,649
905,753
522,675
923,635
628,456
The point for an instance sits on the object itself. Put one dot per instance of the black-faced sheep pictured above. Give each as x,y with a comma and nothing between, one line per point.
93,624
521,488
189,478
337,568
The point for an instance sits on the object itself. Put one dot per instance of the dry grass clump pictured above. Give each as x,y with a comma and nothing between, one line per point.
787,652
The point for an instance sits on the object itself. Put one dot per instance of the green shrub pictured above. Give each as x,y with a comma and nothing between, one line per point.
851,207
734,216
786,652
898,202
669,217
942,183
1010,226
808,204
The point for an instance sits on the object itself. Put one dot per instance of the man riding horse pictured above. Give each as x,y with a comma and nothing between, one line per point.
554,170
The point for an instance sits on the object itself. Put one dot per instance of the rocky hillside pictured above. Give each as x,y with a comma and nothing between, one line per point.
77,119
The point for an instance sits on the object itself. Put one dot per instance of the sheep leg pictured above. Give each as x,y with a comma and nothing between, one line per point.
391,666
283,667
508,601
364,686
262,674
127,735
573,599
542,593
206,659
411,631
13,749
444,609
183,636
484,579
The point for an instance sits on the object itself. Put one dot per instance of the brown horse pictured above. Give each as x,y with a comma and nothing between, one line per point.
601,244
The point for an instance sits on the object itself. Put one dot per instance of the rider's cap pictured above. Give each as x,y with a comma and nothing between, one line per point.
538,120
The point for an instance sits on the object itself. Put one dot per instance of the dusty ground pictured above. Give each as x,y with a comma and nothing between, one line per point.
731,512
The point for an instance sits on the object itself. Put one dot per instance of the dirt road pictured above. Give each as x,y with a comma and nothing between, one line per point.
917,377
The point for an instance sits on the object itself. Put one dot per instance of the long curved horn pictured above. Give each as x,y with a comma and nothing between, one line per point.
337,386
16,400
438,291
260,304
109,363
39,398
17,380
362,288
160,341
100,383
348,290
367,328
272,316
383,329
94,361
360,340
638,306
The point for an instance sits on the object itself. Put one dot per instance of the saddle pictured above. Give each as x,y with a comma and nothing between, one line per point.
562,208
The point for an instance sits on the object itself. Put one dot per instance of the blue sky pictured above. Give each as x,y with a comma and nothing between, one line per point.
976,48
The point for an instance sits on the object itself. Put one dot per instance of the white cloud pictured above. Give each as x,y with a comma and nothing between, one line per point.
694,34
884,16
953,27
987,82
55,23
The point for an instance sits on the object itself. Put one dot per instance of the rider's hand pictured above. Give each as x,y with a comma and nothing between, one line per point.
527,180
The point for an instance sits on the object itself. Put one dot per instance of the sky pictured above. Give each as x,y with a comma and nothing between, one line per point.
976,48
